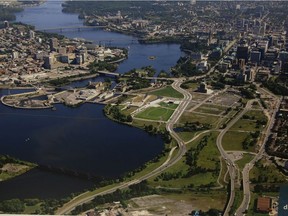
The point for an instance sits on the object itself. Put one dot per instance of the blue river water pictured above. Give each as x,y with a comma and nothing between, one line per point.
80,139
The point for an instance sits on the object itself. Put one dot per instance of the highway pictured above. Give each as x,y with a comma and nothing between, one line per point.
231,166
245,173
68,207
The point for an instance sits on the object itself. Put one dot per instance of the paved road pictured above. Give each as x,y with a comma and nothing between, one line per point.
68,207
245,173
231,166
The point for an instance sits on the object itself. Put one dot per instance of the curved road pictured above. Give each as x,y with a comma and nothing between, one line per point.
231,166
245,173
68,207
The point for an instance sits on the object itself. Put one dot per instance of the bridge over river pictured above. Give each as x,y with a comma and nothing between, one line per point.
70,28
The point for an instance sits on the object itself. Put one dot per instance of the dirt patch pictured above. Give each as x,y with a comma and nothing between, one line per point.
14,168
159,205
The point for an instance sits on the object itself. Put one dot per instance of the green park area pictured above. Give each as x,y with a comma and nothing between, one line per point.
244,160
199,168
167,91
266,172
253,120
234,141
155,113
201,118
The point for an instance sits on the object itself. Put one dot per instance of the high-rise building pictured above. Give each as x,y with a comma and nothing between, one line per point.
283,56
53,44
255,56
49,62
242,52
32,34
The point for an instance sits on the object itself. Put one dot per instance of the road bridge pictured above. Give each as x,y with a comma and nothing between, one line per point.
70,28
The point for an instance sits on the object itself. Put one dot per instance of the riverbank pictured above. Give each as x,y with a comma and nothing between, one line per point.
11,167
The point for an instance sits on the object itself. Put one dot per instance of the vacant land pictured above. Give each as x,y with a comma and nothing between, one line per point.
211,109
178,203
244,160
180,176
197,117
168,91
233,140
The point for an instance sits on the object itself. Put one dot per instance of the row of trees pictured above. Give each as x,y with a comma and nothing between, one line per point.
102,65
195,126
192,155
116,114
277,86
140,189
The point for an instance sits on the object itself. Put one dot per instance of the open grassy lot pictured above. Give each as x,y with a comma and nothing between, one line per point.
226,99
198,96
195,180
155,113
256,114
266,172
141,123
244,160
126,110
203,200
210,154
191,85
32,209
186,136
211,109
168,91
191,105
201,118
245,125
233,140
207,159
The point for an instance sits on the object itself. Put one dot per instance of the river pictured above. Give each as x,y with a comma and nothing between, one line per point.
80,139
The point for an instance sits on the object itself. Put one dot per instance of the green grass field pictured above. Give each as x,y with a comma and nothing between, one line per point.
208,159
210,154
211,109
128,110
267,171
167,92
246,159
245,125
203,200
186,136
232,141
202,118
257,114
155,113
141,123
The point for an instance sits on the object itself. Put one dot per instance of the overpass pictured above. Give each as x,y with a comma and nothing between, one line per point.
107,73
70,28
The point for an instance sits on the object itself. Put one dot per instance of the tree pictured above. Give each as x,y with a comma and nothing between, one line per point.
12,206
